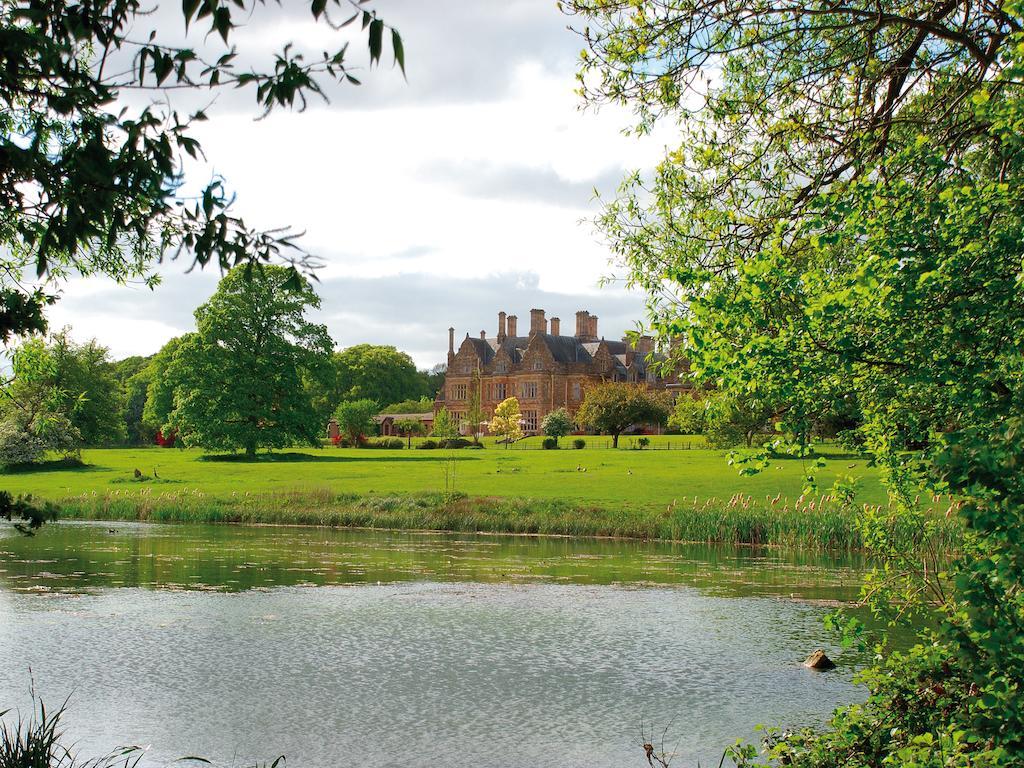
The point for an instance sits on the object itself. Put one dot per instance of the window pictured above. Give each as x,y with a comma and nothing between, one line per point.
529,421
538,365
459,392
501,367
528,389
577,391
498,391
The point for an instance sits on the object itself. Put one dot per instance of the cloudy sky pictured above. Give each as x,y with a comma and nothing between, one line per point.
433,202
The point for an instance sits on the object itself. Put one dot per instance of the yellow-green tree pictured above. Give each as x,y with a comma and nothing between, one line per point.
507,421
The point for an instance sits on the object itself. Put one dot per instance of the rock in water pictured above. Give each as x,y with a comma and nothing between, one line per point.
818,660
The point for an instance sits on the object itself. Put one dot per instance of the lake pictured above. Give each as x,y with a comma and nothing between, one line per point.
340,647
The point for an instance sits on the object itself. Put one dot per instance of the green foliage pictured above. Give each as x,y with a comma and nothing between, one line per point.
507,422
579,443
613,407
91,180
160,390
557,424
237,382
355,419
30,515
476,418
549,443
134,375
444,426
689,415
410,427
422,405
368,372
840,231
62,395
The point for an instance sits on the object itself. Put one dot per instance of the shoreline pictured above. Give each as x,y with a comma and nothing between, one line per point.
742,521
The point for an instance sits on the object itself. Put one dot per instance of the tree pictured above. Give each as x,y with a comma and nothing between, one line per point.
74,381
160,390
433,379
689,415
613,407
445,427
841,222
355,419
421,405
475,415
557,424
90,181
237,382
133,375
410,427
507,421
368,371
731,419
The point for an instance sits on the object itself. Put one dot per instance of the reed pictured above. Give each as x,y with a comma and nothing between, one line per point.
823,522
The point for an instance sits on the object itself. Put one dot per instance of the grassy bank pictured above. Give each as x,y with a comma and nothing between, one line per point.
625,478
820,523
688,495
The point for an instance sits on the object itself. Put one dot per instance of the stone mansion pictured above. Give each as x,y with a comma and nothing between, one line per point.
543,369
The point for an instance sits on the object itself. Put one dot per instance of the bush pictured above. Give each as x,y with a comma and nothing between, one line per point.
475,446
428,444
579,443
643,442
390,443
549,443
456,442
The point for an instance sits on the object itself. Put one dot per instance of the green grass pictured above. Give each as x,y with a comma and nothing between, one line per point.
691,495
649,479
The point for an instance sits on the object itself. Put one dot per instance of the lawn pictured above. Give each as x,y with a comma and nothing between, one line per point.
623,478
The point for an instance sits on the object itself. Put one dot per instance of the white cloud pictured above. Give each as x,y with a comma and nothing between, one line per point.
449,179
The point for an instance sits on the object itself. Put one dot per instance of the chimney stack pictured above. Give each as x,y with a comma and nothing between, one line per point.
581,324
512,325
537,322
483,335
556,326
451,345
644,345
586,326
501,326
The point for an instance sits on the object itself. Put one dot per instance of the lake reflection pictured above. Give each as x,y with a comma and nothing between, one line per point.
342,648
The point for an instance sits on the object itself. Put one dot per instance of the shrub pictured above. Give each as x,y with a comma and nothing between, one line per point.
382,443
579,443
550,443
428,444
17,446
643,442
474,446
456,442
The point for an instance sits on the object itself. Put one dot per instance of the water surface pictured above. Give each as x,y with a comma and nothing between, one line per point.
342,648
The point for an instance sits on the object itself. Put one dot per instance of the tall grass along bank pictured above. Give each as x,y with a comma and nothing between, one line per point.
821,522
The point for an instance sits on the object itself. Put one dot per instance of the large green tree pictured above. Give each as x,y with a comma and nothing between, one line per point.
614,407
840,228
89,180
236,383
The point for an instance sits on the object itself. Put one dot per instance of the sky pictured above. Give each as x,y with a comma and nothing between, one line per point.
432,201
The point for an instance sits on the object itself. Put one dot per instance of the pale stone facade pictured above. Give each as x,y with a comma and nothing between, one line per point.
543,369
